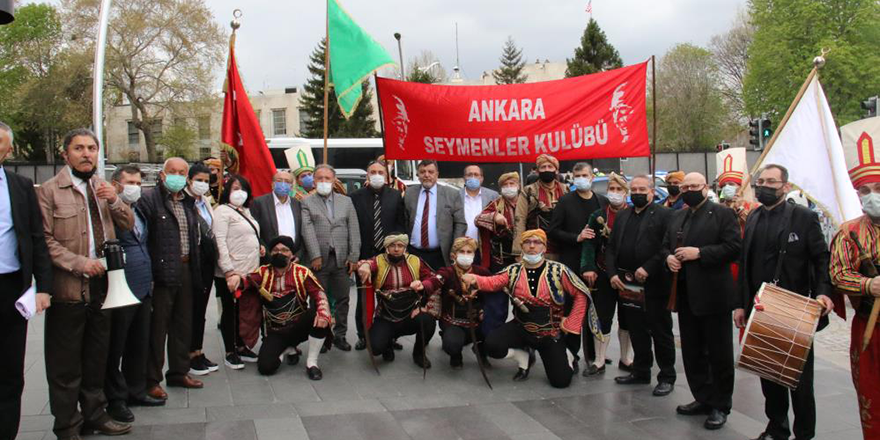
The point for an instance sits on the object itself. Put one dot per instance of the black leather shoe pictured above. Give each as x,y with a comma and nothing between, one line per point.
521,375
422,361
118,410
593,370
663,389
342,344
693,409
767,436
624,367
148,400
716,420
361,344
396,345
456,362
632,379
388,355
110,427
314,373
292,359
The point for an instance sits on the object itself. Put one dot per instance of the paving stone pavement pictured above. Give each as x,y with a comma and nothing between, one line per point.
352,402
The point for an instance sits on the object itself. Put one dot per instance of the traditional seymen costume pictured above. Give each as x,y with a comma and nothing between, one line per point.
534,208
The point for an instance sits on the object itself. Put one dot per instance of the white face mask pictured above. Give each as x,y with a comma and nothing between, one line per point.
238,197
377,181
533,258
583,183
200,188
130,193
464,261
871,204
616,199
509,191
728,192
324,188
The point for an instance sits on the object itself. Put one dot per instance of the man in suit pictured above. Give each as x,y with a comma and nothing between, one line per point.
380,213
706,294
435,217
634,246
277,213
80,212
474,198
26,255
333,240
782,242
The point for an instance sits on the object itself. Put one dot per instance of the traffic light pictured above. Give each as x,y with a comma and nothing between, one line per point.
766,131
755,133
870,105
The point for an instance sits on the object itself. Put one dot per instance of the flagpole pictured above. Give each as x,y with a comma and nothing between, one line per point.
381,118
654,117
326,76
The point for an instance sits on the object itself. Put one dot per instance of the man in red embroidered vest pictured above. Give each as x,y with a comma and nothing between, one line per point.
534,207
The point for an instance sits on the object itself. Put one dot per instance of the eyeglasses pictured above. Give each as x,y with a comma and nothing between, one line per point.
694,187
768,182
532,242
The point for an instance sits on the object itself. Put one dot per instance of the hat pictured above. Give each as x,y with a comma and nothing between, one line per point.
461,242
286,241
508,176
300,159
675,175
731,166
547,158
860,141
212,162
399,238
533,233
614,177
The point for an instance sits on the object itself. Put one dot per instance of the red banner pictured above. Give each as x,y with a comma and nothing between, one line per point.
587,117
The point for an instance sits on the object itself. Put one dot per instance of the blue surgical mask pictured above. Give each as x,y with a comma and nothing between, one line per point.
282,189
583,183
533,258
472,183
308,182
174,182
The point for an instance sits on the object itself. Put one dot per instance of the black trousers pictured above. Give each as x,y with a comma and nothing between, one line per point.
606,299
129,347
552,350
77,336
383,332
434,257
803,403
573,342
455,338
171,320
13,336
652,325
201,296
229,317
276,341
711,377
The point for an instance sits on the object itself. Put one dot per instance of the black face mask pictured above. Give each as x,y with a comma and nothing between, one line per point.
213,179
639,200
395,259
547,176
766,195
674,191
693,198
279,260
84,175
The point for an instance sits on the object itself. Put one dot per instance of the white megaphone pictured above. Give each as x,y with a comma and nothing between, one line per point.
118,293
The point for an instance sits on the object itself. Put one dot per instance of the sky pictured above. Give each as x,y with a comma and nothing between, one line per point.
277,36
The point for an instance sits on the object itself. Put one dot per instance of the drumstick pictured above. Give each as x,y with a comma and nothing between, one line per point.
864,257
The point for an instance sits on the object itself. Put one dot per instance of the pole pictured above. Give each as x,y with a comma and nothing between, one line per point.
400,53
381,116
98,84
654,117
326,76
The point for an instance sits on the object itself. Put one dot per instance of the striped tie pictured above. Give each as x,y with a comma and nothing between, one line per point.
378,233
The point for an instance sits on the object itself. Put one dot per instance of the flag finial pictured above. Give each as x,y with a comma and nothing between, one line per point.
235,23
819,61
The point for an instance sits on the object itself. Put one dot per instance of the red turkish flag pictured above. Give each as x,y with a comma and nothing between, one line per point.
242,131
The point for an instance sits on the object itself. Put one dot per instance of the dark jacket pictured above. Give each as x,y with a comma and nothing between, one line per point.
138,268
565,225
164,242
649,241
27,220
714,230
263,210
805,253
393,215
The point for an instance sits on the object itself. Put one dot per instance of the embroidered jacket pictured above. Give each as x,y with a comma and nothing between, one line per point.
286,297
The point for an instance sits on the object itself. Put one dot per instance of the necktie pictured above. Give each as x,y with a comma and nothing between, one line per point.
378,233
425,243
95,215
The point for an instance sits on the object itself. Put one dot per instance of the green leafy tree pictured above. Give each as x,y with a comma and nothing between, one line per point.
179,140
790,33
360,125
595,53
512,65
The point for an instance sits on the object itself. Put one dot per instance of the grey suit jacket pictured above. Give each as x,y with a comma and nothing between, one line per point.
488,195
450,215
263,210
320,232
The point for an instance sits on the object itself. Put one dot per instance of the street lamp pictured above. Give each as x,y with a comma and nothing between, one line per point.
429,66
400,52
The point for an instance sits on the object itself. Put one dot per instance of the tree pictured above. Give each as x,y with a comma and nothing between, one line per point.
426,69
790,33
360,125
731,54
179,140
159,53
512,64
690,112
595,54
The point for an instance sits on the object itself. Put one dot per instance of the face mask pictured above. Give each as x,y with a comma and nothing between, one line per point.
509,191
472,183
395,259
83,175
464,261
639,200
200,188
279,260
377,181
547,176
281,189
728,192
673,190
213,179
583,183
616,199
871,204
174,182
533,258
130,193
308,182
238,197
766,195
324,188
693,198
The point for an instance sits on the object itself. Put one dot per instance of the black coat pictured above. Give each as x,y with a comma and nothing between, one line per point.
27,221
714,230
804,267
649,241
263,210
565,225
164,241
393,216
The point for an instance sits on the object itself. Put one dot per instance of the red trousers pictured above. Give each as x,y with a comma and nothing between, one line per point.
865,368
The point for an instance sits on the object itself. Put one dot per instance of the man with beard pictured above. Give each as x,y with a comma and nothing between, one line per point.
435,216
673,180
534,207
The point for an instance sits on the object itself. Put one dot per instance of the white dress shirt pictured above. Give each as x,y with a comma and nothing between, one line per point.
81,186
284,214
473,206
416,237
9,261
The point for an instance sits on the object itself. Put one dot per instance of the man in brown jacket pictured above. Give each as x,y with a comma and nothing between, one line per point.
79,213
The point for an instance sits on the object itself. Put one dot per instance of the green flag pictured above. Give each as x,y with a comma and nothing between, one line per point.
354,56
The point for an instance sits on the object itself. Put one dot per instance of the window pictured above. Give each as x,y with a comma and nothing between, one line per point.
204,151
304,119
204,127
156,127
134,135
279,122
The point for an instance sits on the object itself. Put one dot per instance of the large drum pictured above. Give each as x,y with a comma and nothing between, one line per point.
778,339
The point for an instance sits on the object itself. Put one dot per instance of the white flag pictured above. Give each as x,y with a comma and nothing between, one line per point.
808,145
